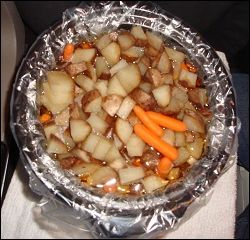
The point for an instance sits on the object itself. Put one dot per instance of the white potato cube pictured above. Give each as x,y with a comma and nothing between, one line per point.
79,129
102,149
130,174
112,154
123,130
90,143
97,123
135,146
169,137
162,95
152,183
126,107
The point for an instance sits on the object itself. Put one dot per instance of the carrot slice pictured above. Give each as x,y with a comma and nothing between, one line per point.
68,51
191,68
184,66
44,118
137,162
154,141
149,123
86,45
164,166
167,122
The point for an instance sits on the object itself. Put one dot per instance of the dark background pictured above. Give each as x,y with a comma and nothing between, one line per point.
224,24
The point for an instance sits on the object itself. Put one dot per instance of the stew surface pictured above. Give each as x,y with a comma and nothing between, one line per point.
125,113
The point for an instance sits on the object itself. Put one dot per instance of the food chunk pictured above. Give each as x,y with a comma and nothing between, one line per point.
151,183
198,96
103,42
91,102
125,108
115,87
154,40
126,40
164,64
126,113
188,78
111,104
112,53
102,69
97,123
58,91
91,142
123,130
76,68
55,145
162,95
135,146
102,149
83,55
131,174
129,77
139,35
79,129
143,99
154,76
84,82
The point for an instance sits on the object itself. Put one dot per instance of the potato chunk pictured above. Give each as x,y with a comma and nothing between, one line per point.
130,174
111,104
112,53
162,95
91,102
79,129
129,77
145,100
154,76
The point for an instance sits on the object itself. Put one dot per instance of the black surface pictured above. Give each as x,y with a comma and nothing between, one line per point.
12,162
224,24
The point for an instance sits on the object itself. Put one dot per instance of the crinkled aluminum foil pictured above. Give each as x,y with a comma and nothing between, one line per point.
105,215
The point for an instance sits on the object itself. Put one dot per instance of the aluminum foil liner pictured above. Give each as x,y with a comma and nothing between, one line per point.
106,216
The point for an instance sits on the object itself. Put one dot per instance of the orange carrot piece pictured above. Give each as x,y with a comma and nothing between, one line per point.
154,141
44,118
137,162
167,122
68,51
149,123
191,68
184,66
164,166
86,45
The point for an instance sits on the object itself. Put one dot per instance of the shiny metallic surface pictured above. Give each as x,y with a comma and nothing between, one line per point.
107,215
